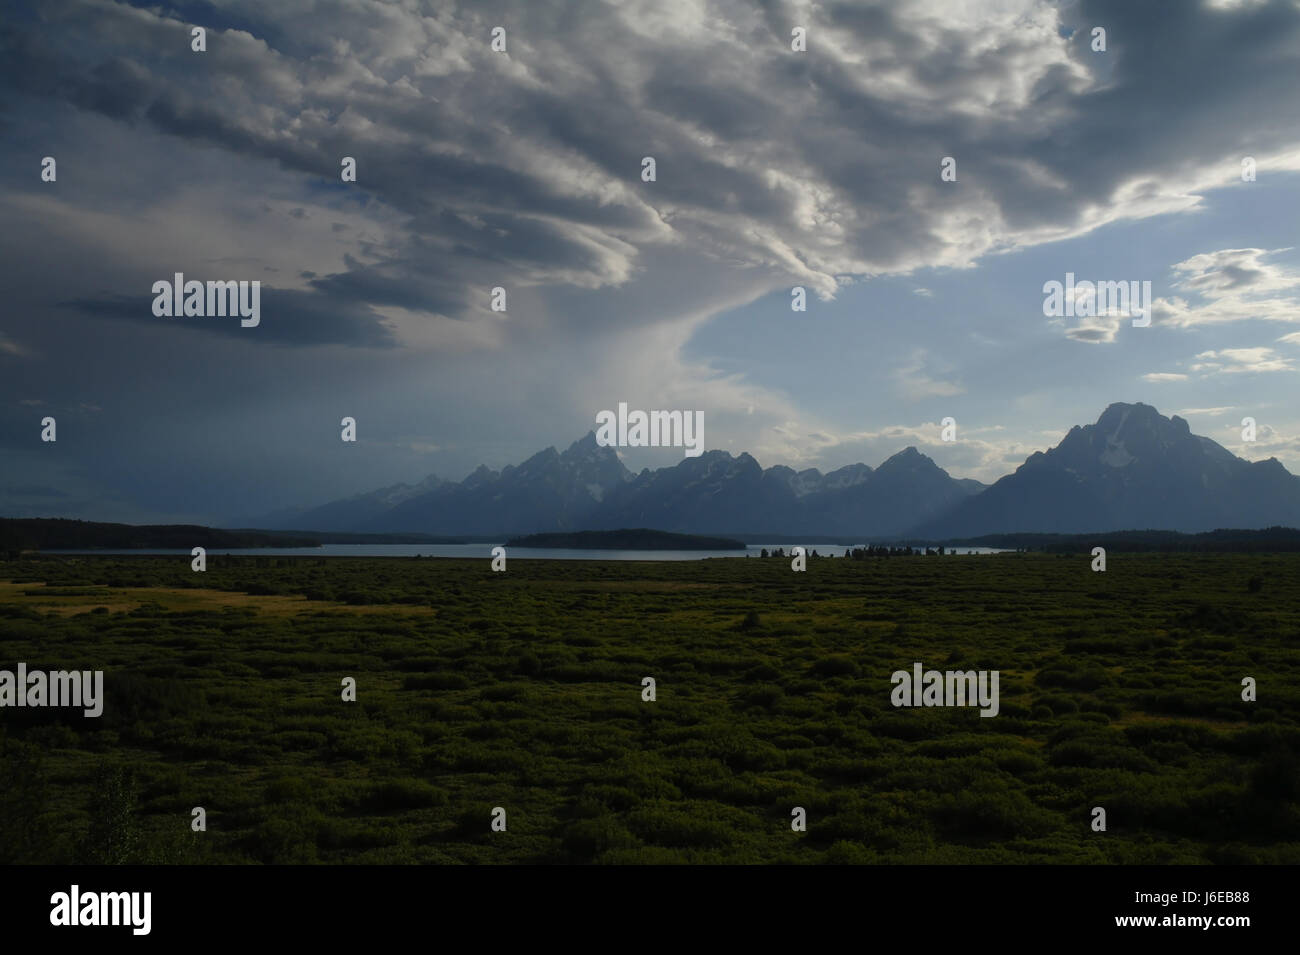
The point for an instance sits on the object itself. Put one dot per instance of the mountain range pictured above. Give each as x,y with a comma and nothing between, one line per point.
1132,469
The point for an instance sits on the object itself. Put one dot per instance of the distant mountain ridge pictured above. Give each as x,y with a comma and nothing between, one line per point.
1133,468
586,487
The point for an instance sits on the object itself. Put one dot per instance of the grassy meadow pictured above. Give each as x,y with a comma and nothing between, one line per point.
522,690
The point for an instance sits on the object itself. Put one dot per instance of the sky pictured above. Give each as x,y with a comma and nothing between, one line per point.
775,168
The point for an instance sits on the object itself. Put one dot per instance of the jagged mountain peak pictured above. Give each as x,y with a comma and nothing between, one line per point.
1125,437
480,475
907,459
587,444
848,475
1124,409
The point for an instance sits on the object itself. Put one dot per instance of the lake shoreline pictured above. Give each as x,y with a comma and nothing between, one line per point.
483,551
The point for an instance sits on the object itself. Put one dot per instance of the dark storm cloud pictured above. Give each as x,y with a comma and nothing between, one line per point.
825,161
34,490
288,317
393,284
